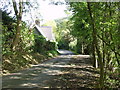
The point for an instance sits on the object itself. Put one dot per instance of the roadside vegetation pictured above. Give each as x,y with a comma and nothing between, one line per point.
94,29
31,48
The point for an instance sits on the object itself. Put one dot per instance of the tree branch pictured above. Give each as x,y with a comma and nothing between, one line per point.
15,7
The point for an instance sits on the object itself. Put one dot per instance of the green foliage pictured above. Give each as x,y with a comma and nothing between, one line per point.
41,45
51,23
79,27
63,36
50,54
27,38
73,44
92,29
31,49
105,22
51,45
8,31
111,83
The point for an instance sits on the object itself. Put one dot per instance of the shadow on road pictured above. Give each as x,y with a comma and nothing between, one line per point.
64,71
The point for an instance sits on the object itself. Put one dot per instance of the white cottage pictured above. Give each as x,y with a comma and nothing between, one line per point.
46,31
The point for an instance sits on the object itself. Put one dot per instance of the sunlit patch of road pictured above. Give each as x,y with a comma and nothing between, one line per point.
65,52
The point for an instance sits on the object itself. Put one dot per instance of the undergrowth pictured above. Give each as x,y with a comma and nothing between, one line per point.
13,62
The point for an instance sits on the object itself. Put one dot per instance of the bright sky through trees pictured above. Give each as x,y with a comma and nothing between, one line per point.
50,12
45,12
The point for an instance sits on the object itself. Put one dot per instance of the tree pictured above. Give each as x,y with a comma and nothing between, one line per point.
95,44
101,22
80,29
18,13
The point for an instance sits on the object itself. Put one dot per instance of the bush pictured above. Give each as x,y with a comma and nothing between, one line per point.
41,45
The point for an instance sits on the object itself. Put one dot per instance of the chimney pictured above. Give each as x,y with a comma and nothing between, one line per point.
37,22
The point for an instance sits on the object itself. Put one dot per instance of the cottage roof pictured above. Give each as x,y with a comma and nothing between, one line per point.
46,31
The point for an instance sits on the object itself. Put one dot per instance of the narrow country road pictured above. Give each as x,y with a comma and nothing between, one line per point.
65,71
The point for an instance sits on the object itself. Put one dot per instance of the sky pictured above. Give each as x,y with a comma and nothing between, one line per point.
51,12
48,11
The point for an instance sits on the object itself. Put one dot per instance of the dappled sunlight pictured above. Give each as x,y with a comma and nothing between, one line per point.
62,66
29,84
81,56
62,71
65,52
53,72
15,77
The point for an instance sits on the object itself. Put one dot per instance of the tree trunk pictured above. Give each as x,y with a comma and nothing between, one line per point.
78,46
82,47
95,43
95,64
19,20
